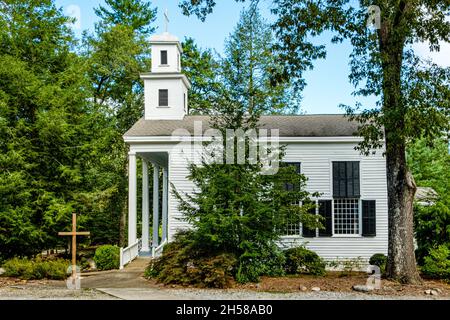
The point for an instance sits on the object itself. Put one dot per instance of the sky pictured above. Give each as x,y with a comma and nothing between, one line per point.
327,84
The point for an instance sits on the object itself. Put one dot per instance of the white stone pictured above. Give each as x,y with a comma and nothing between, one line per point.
316,289
2,271
303,288
362,288
427,291
434,293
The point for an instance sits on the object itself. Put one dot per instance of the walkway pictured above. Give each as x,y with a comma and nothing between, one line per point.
129,277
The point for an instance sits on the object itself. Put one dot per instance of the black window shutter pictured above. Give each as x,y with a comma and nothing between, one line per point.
325,211
369,218
290,186
163,97
355,177
309,233
336,179
163,57
346,179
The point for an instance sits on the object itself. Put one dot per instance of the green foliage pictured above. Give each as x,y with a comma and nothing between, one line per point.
48,129
182,263
429,165
432,226
36,269
136,14
202,70
437,263
380,260
248,64
107,257
300,260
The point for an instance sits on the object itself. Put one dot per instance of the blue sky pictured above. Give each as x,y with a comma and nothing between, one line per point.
328,84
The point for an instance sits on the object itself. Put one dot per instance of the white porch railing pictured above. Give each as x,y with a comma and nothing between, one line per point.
129,253
156,252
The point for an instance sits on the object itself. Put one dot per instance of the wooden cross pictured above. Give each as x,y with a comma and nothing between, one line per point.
74,235
166,17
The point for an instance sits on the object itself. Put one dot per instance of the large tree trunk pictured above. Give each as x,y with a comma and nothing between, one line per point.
401,264
401,189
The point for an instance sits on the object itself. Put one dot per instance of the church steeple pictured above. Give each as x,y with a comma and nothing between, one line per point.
165,87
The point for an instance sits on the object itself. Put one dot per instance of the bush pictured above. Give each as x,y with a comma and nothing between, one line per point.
380,260
107,257
181,264
39,269
302,260
431,226
437,263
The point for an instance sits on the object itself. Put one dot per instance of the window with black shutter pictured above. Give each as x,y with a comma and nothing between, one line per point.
163,97
163,57
309,233
346,179
369,226
325,211
290,186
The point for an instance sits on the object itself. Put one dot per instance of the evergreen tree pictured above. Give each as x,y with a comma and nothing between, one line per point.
249,63
136,14
116,55
236,208
47,127
202,70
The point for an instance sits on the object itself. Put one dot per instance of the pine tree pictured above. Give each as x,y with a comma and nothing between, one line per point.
248,65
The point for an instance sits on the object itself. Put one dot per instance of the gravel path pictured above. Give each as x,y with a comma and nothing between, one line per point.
51,293
233,294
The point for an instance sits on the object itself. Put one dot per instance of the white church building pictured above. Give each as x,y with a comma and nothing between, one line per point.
352,187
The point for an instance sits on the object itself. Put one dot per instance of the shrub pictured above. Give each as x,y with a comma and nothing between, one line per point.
380,260
37,269
19,268
437,263
302,260
107,257
431,226
181,264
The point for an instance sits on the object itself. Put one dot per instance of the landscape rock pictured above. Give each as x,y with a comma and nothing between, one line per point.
427,291
2,271
303,288
362,288
315,289
434,293
438,290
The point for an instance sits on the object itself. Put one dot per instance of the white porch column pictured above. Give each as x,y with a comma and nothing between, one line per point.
165,195
155,238
145,208
132,198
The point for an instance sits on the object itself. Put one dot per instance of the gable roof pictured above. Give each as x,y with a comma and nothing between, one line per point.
290,126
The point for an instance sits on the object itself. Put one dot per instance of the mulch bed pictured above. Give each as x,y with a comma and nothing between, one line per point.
335,281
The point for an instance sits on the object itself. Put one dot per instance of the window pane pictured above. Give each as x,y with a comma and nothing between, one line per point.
346,216
163,57
163,97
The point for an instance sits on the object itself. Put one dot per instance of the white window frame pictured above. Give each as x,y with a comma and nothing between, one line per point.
355,235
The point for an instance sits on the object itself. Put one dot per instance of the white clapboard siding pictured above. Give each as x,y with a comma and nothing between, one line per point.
316,163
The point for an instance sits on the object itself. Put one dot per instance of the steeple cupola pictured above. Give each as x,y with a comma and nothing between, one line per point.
165,87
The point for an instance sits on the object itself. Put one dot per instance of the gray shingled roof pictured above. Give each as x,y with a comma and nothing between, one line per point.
289,126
